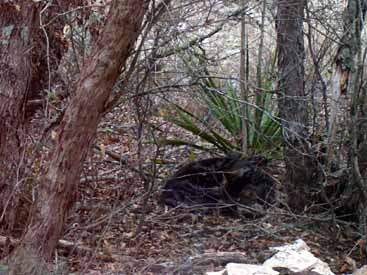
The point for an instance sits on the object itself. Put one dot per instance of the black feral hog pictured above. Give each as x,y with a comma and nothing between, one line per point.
216,182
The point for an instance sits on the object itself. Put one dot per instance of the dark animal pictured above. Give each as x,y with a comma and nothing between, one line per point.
219,182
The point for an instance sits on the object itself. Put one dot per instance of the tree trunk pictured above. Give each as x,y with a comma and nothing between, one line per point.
353,20
18,27
244,69
292,100
27,57
59,181
357,126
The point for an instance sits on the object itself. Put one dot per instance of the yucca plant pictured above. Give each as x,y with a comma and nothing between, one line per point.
265,128
223,102
224,107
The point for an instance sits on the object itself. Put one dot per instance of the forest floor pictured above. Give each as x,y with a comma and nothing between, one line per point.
118,225
174,242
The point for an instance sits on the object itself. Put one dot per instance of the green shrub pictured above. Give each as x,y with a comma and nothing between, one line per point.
224,107
223,131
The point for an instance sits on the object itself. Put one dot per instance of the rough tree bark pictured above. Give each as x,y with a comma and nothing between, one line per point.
292,99
353,20
78,126
18,27
244,81
26,56
357,150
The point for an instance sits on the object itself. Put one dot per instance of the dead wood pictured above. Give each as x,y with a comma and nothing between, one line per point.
63,244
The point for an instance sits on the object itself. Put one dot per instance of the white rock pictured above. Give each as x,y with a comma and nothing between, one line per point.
297,257
361,271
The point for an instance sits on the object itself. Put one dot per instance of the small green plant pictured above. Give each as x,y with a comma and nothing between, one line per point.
224,107
225,130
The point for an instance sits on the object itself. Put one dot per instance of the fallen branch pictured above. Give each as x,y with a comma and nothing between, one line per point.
67,245
220,258
199,264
